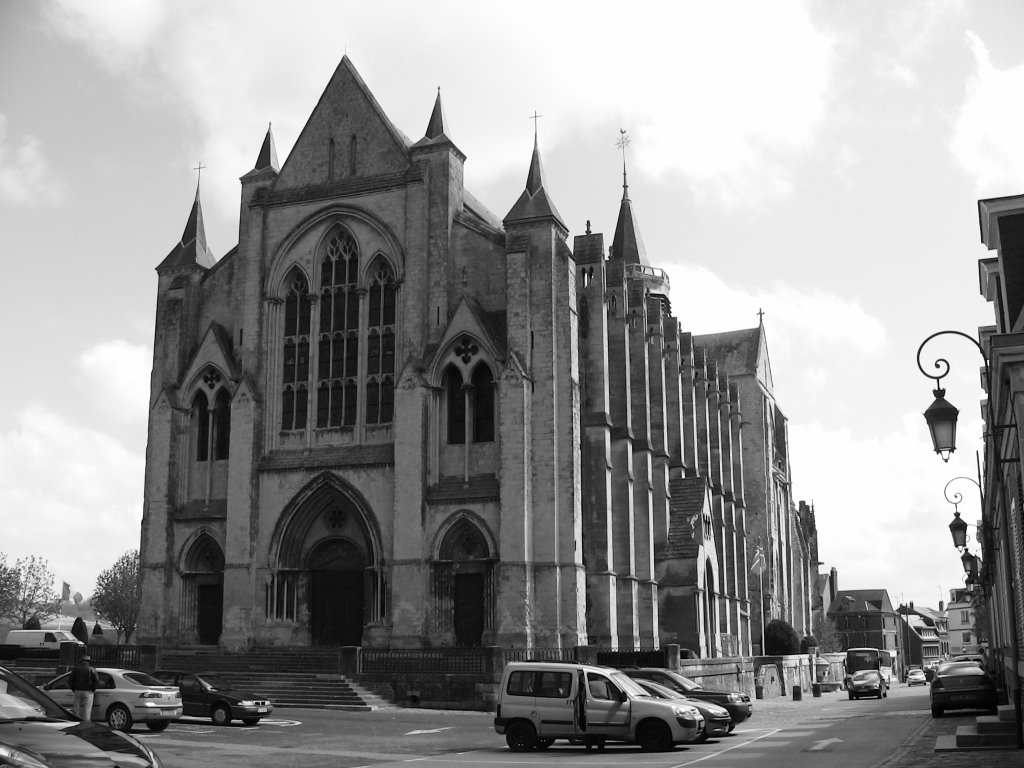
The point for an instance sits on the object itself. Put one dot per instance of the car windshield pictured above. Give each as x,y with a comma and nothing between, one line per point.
865,674
216,682
686,683
629,685
21,701
143,679
660,691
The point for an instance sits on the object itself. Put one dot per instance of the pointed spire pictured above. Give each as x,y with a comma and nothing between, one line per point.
627,244
437,126
192,248
268,153
534,202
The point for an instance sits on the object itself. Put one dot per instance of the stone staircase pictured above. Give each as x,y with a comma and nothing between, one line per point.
289,677
990,732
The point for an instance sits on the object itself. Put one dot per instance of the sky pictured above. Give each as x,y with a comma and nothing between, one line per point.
819,161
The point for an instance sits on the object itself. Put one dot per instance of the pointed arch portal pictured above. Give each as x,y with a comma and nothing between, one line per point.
202,590
328,540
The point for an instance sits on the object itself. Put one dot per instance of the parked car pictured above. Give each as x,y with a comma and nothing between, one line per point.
738,704
206,694
866,682
541,701
962,685
44,733
979,660
916,677
124,697
717,720
40,642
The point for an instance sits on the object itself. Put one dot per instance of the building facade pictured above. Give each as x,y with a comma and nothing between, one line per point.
390,418
865,618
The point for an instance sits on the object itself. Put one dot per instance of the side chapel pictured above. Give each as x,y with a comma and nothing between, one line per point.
389,418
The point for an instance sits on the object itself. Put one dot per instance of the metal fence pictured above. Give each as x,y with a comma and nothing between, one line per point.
443,661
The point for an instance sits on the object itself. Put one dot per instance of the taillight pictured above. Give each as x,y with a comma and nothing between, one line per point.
150,695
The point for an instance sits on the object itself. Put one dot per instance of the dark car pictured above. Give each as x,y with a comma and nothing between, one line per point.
962,685
866,682
717,720
738,704
206,694
36,731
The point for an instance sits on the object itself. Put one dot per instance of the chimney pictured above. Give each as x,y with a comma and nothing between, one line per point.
940,606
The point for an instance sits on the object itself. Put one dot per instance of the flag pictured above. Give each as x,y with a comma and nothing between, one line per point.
759,561
65,591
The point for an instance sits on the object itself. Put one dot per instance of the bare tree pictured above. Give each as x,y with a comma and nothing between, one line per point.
34,595
117,597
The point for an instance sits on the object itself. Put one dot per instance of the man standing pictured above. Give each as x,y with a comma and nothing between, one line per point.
84,681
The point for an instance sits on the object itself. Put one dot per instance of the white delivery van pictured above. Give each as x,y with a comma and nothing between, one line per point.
40,642
540,701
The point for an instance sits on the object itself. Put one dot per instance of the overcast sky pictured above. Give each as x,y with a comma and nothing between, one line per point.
821,161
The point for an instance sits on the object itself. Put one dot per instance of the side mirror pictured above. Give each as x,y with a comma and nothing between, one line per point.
622,695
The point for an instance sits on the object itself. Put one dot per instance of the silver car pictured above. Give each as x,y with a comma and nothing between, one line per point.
124,697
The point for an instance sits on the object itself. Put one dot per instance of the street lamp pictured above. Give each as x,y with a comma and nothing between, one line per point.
941,415
958,529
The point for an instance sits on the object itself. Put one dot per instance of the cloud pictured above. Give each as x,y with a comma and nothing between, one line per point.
732,137
68,487
986,138
117,374
26,177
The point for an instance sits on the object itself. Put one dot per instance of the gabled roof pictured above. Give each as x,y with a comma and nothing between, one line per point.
192,249
860,601
739,353
534,202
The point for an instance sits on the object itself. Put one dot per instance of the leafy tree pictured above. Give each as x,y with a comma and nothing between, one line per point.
33,623
808,643
80,631
780,639
117,597
34,595
8,587
828,638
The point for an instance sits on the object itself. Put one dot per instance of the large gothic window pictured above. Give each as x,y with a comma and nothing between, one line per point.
380,346
212,428
338,352
470,406
295,395
201,420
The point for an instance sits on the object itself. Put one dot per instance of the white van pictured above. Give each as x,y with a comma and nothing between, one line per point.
41,641
540,701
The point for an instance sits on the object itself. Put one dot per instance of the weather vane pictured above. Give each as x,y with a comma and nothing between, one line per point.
622,142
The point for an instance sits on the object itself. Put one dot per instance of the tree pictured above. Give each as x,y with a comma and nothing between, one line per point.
117,598
828,639
8,588
780,639
808,643
34,595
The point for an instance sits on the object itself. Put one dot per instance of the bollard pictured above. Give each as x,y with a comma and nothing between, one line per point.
758,691
798,694
816,690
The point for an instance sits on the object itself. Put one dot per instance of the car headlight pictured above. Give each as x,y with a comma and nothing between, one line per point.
247,703
735,697
19,758
680,710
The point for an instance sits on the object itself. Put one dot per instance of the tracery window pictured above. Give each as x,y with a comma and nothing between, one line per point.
380,347
295,395
469,404
338,365
212,427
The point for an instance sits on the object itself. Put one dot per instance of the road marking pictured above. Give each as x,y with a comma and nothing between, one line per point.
721,752
282,723
430,730
820,745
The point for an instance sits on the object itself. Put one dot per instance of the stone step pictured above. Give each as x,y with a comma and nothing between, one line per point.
995,724
968,736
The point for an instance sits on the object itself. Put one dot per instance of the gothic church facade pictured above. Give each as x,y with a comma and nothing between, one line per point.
390,418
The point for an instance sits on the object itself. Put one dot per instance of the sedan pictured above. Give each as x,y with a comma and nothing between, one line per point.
124,698
717,721
36,731
866,682
962,685
916,677
738,704
206,694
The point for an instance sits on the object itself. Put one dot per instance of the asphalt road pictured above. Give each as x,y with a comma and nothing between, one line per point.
825,732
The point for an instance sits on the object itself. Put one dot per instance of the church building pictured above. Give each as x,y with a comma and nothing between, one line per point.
390,418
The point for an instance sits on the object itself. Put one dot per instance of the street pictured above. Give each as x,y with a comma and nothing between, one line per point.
827,731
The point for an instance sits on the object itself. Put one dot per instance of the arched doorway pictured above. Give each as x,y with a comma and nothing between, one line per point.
710,611
337,571
202,590
462,584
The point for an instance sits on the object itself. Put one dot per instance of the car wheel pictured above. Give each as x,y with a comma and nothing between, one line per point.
654,736
220,715
936,711
119,718
521,737
158,725
544,743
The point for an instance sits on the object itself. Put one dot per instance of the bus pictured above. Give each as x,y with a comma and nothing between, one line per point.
870,658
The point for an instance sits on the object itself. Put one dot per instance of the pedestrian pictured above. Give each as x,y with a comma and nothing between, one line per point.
84,681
